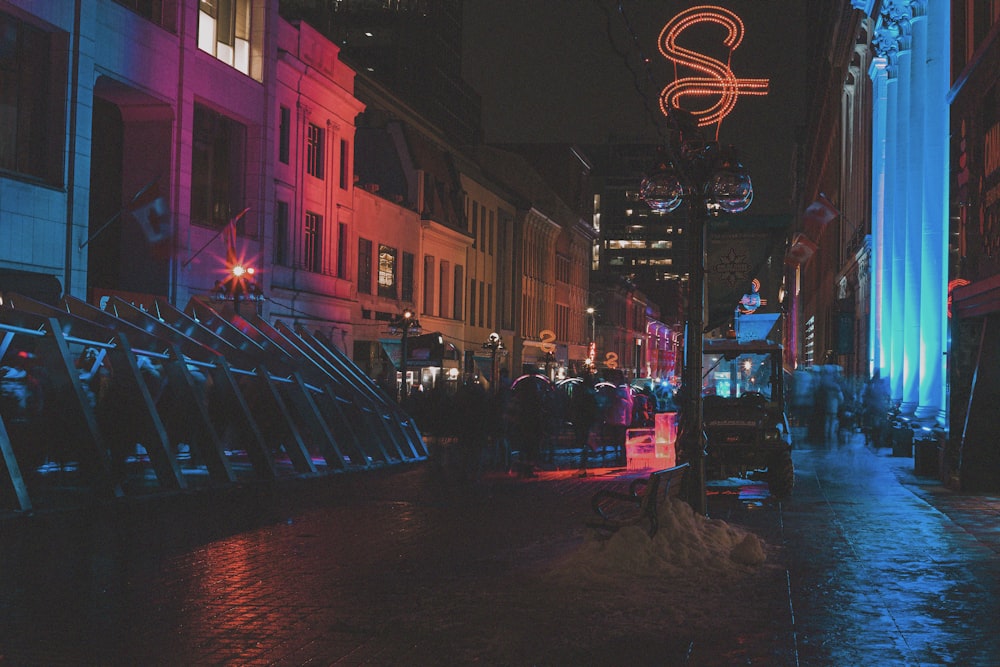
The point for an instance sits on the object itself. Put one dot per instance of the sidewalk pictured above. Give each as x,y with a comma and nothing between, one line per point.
866,564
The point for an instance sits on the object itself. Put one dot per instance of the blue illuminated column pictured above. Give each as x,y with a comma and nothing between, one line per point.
911,71
935,31
877,348
899,131
910,203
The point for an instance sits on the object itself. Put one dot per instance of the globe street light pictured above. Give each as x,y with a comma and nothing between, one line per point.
711,180
592,350
494,344
404,324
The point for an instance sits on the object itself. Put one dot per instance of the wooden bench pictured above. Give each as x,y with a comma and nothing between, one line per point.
617,509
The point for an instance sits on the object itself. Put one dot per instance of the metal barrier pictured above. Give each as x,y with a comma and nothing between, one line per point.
122,401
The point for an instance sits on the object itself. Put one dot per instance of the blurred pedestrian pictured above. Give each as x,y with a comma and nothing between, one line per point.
499,427
619,418
642,408
830,398
526,414
471,412
583,414
876,411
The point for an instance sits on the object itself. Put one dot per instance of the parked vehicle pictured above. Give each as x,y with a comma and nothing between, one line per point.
744,413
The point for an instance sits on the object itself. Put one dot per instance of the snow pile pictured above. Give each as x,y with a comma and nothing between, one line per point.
684,541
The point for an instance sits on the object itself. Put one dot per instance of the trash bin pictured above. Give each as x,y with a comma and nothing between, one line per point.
902,440
925,458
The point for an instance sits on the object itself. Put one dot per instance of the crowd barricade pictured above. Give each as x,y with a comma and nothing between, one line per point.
123,401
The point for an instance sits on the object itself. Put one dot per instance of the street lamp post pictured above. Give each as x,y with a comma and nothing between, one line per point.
711,180
403,324
494,345
592,350
241,284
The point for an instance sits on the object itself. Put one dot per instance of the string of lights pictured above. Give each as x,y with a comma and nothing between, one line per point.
650,105
650,100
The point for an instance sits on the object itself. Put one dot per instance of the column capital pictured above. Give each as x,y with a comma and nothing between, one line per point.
885,41
897,11
893,26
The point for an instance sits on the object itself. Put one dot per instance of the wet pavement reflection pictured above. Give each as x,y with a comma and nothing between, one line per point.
886,568
866,565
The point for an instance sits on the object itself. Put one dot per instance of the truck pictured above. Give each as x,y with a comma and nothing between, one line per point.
745,423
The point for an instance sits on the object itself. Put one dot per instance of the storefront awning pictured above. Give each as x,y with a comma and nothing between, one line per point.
38,286
977,299
428,349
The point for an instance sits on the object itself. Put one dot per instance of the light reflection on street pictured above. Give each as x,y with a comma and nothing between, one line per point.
885,578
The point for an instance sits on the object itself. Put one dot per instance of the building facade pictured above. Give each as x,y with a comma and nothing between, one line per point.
644,248
309,257
829,257
199,137
973,454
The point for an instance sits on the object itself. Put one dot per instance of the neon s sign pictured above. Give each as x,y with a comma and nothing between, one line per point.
715,78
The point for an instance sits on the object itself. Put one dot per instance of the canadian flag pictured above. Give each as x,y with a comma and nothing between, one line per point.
800,250
149,209
817,215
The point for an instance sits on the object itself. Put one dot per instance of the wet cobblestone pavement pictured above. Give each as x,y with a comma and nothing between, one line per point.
866,565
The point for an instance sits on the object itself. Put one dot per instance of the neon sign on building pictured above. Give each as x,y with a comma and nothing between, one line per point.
716,79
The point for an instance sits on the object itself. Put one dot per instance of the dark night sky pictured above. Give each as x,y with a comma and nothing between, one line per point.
552,71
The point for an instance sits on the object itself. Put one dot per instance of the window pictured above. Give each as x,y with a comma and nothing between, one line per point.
313,243
489,306
345,163
475,224
406,279
428,285
472,301
387,272
562,269
281,233
364,266
482,302
224,30
625,244
505,314
217,168
342,250
150,9
491,231
284,134
32,85
443,289
314,151
459,283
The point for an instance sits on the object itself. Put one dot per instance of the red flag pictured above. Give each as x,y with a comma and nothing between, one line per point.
817,215
800,250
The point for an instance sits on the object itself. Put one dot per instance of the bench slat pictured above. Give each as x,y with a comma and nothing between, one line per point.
618,509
